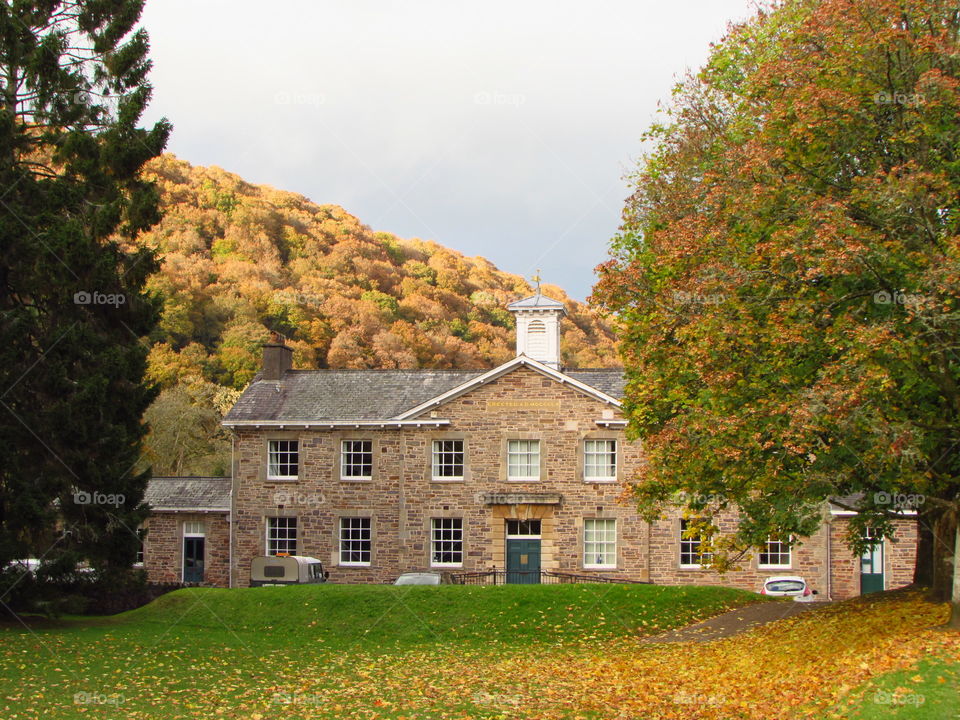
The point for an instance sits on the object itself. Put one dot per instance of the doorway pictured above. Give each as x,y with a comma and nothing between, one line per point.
871,564
523,552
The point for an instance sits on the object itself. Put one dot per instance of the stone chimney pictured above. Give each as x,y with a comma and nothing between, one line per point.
277,358
538,328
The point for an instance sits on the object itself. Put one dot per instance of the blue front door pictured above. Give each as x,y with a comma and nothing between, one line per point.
523,551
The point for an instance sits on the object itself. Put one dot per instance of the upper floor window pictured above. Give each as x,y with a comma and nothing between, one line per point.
599,460
776,554
356,459
599,543
523,460
690,554
448,459
281,535
283,459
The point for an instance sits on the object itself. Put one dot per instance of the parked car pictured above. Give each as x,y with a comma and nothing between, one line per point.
286,570
418,578
788,586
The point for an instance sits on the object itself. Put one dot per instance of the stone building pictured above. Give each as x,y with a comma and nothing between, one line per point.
519,468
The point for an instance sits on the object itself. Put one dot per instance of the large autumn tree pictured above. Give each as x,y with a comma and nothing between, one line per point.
73,86
788,278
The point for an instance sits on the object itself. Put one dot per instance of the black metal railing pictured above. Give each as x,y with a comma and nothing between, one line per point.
533,577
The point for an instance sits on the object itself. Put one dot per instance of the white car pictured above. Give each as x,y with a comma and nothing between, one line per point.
418,578
788,586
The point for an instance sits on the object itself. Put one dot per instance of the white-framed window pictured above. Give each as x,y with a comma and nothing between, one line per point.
193,528
523,460
446,542
447,460
690,555
355,542
776,554
599,460
599,542
283,459
356,459
281,535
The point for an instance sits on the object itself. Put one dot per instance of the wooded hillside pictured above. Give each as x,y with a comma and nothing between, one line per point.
240,260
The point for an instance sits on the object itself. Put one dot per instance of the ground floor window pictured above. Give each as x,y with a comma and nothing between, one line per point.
446,541
141,534
281,535
775,555
355,542
690,554
599,543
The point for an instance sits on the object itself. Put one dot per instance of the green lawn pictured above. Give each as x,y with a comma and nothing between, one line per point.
301,651
930,691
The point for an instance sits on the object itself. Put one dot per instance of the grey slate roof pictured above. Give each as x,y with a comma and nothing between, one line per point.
319,395
537,302
344,394
610,382
189,493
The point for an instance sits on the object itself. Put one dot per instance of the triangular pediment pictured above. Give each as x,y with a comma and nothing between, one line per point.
516,363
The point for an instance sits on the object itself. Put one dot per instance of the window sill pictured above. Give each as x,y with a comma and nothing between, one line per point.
599,567
453,566
600,481
524,479
446,479
774,567
283,479
356,479
354,564
692,567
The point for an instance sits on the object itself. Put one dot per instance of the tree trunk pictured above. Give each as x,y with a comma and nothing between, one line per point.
944,549
954,621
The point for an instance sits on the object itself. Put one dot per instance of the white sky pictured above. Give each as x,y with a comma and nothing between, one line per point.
498,129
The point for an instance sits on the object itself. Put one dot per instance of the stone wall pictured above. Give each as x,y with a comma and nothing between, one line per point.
402,498
163,547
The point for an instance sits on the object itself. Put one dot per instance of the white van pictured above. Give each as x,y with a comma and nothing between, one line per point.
286,570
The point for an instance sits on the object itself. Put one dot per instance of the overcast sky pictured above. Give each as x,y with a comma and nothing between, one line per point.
500,129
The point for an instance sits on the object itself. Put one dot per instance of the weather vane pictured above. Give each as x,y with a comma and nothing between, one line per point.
536,278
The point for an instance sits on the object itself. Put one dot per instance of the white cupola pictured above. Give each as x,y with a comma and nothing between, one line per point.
538,328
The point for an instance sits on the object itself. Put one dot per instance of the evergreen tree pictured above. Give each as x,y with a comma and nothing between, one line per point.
73,311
